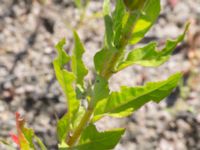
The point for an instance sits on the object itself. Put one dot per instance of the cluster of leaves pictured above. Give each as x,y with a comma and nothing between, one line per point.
127,24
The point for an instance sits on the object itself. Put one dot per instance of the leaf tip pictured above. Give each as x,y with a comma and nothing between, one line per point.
60,44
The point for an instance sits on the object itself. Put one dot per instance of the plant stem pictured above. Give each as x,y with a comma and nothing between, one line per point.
109,68
106,73
86,117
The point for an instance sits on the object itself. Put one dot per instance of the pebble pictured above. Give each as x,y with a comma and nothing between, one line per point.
183,126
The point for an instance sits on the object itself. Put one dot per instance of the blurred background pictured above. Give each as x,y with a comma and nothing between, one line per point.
28,32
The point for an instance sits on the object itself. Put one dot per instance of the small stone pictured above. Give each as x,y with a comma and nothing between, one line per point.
183,126
29,88
20,90
48,50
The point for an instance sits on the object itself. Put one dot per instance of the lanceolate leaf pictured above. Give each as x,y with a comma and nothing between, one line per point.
66,80
123,103
118,16
92,139
102,57
149,56
78,66
147,18
63,128
108,42
40,143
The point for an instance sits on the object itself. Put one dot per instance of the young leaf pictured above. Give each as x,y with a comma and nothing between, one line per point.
123,103
108,25
149,56
25,136
40,143
106,52
63,128
91,139
66,80
118,16
149,14
78,66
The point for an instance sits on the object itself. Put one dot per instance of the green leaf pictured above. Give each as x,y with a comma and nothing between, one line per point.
66,79
128,100
78,116
91,139
29,135
118,16
129,23
149,56
63,128
101,89
78,66
26,136
40,143
101,58
147,18
113,31
108,42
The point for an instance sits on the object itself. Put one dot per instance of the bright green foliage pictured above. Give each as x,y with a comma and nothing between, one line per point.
101,89
146,19
87,103
91,139
123,103
78,66
66,80
118,16
40,143
100,58
149,56
108,25
63,128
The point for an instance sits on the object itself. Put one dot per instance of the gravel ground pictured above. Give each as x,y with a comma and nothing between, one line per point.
28,33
